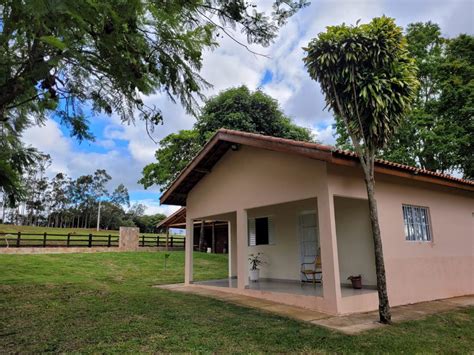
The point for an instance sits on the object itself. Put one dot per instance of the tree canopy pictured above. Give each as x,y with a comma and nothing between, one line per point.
65,56
439,131
369,81
77,59
235,108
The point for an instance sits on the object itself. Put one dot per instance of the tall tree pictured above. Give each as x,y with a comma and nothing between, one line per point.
369,81
15,159
105,53
176,150
120,196
59,198
439,130
235,108
68,57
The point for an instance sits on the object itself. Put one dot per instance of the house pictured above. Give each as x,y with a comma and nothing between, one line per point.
293,200
216,234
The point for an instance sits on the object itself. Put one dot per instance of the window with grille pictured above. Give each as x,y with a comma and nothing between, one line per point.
417,223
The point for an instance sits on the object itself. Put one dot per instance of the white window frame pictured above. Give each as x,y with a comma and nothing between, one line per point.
252,237
415,229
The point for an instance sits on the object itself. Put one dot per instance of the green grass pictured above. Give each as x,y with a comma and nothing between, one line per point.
105,303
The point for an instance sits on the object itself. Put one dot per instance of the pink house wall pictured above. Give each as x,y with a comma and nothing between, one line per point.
419,271
416,271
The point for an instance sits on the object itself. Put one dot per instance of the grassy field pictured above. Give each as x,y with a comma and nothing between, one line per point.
105,303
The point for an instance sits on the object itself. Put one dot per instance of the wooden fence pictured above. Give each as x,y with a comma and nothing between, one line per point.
160,241
50,240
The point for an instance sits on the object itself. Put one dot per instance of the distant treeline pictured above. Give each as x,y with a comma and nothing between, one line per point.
73,203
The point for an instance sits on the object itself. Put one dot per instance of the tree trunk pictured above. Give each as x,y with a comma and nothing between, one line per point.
213,237
201,237
384,306
3,208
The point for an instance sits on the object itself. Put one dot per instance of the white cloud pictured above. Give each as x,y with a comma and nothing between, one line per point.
154,207
49,139
121,165
325,135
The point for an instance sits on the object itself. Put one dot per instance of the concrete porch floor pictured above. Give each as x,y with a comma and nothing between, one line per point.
349,324
284,286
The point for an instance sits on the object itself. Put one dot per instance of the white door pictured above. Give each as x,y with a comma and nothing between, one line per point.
309,237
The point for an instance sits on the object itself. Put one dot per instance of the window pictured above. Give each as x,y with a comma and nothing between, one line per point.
260,231
417,223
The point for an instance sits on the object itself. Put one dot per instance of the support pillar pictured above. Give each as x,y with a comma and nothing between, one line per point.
232,247
242,249
328,240
188,258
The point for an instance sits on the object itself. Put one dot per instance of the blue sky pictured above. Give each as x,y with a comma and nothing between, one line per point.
123,150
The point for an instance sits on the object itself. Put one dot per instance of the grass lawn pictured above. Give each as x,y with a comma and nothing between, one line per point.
105,303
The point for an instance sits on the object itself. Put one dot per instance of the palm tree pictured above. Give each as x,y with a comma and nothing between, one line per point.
369,82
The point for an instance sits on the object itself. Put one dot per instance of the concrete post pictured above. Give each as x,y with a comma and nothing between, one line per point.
328,240
242,249
188,258
128,240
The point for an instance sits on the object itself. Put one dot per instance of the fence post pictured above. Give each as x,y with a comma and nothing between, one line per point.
90,240
157,240
18,238
108,241
44,240
171,241
143,240
68,239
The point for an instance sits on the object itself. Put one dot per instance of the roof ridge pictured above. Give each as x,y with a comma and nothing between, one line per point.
278,139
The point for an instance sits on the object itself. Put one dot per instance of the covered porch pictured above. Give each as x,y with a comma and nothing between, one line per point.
290,234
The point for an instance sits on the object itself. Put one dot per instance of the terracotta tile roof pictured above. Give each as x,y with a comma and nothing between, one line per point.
224,139
286,141
407,167
343,152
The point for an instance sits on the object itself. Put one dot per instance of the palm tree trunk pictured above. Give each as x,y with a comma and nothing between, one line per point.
384,306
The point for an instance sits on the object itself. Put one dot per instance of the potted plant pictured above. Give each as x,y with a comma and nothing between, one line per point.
356,281
255,261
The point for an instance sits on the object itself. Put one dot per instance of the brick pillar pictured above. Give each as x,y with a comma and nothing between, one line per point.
128,239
